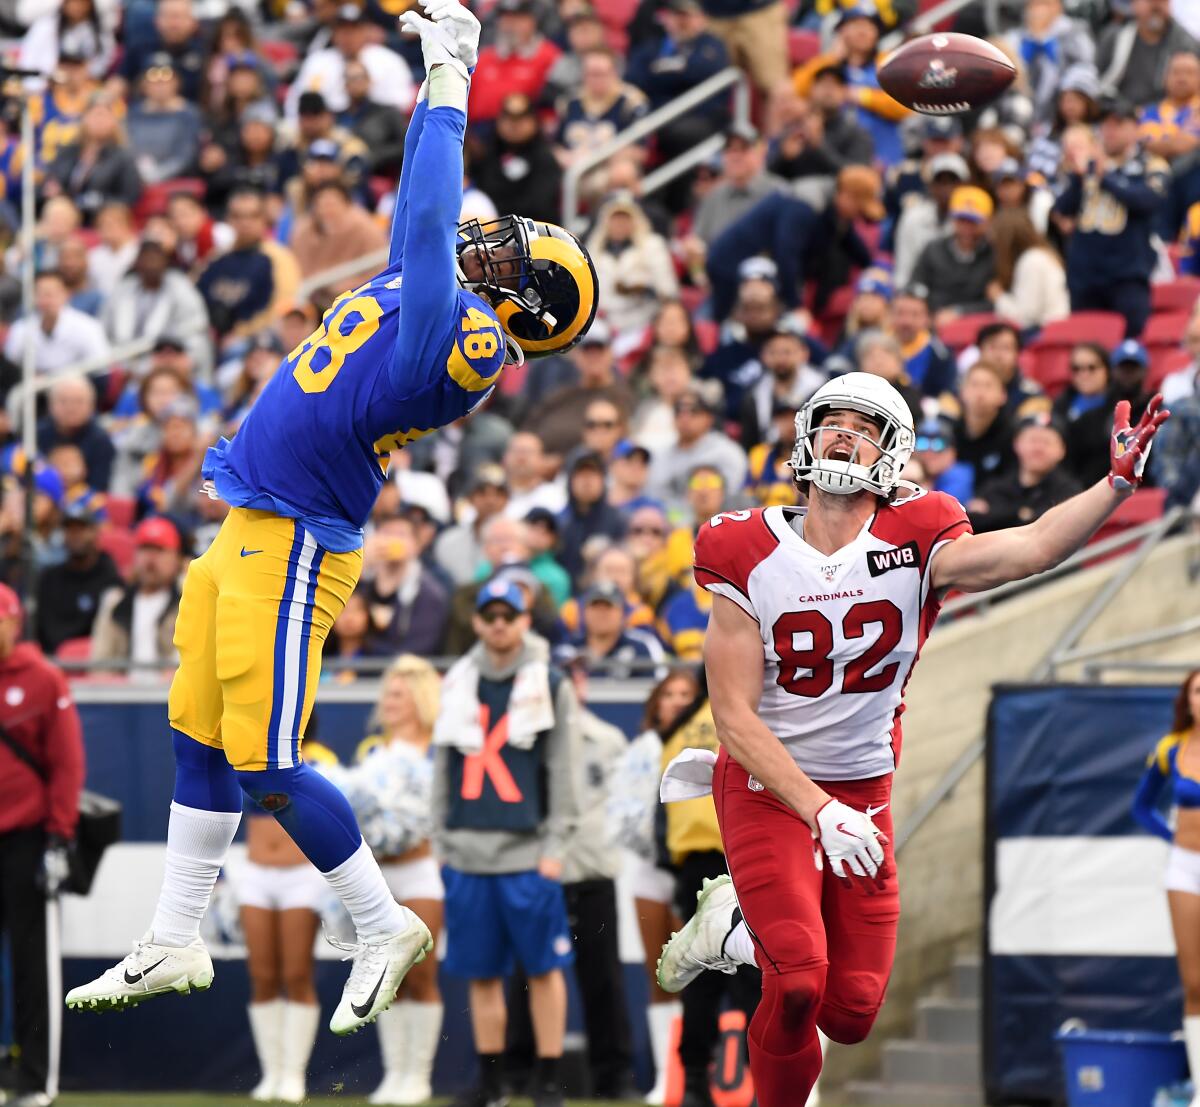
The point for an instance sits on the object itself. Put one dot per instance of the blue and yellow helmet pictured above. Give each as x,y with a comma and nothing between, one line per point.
538,278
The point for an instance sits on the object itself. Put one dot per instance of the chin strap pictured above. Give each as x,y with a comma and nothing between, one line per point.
515,355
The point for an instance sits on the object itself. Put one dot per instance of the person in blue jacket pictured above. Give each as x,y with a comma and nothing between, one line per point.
415,348
797,235
1114,196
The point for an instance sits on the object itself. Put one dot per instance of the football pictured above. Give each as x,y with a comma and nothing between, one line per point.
944,74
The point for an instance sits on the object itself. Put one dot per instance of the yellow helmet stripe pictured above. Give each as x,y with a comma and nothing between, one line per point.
547,248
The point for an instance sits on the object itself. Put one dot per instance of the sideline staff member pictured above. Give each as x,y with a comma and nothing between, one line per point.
41,775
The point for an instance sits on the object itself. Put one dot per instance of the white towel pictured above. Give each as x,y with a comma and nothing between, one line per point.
530,707
688,776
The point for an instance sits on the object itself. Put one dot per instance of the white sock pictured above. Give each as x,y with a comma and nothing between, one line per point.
424,1030
299,1032
1191,1038
739,946
361,887
197,843
814,1097
393,1040
661,1017
266,1027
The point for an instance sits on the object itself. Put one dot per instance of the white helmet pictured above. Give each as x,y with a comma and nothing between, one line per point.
873,397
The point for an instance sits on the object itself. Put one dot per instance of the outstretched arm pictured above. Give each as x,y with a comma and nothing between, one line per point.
976,562
429,290
400,215
462,27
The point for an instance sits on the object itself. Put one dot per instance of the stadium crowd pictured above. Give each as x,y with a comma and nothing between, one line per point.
198,164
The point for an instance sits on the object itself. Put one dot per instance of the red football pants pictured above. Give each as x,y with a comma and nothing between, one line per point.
825,944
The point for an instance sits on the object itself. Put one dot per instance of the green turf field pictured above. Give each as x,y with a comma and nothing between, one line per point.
171,1099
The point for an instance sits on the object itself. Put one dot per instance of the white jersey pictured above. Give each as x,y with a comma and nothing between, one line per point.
840,633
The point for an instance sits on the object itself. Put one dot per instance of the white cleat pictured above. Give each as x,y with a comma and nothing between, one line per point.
150,970
379,966
700,945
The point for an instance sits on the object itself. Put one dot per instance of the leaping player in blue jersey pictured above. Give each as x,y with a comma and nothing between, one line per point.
420,345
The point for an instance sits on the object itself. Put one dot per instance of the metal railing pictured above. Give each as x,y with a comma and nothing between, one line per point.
1148,536
729,78
1154,531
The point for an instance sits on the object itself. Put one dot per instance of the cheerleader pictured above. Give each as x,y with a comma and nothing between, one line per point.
632,812
391,797
281,894
1175,764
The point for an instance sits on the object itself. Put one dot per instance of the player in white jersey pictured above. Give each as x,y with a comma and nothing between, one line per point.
817,620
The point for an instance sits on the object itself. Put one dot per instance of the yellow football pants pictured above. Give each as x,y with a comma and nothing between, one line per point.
254,614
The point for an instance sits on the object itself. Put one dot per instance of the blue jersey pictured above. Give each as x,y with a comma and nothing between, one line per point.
393,360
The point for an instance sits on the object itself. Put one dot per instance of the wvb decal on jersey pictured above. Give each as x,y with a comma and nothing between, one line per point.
902,557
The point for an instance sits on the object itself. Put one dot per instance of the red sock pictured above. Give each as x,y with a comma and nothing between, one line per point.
785,1052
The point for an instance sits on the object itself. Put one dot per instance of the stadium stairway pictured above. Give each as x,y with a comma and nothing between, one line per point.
940,1066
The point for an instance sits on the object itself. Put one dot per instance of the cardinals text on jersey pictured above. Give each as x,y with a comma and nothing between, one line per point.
841,632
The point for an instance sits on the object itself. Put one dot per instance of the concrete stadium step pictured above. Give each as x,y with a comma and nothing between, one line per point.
912,1062
967,977
948,1020
868,1093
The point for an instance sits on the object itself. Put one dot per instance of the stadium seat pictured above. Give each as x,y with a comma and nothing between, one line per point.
120,545
74,649
1164,329
833,315
960,333
692,298
803,45
1047,359
708,335
1179,295
154,197
1164,362
121,510
283,56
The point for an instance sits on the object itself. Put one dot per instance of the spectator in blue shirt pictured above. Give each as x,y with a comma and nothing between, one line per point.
177,34
665,68
1176,463
927,362
798,236
587,515
606,638
239,285
1114,195
937,456
164,129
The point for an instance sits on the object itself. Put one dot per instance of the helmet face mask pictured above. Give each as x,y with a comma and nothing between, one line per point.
538,278
878,401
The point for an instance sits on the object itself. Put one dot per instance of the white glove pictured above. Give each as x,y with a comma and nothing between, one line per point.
438,44
849,839
458,20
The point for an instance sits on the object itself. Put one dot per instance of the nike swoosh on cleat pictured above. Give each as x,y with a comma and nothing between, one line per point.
365,1009
247,553
142,975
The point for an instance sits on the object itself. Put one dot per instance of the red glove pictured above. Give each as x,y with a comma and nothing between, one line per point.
1130,446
